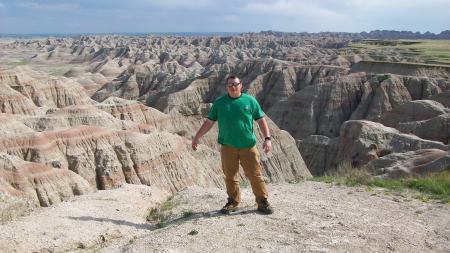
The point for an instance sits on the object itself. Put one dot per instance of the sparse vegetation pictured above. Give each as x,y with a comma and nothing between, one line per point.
167,205
188,214
193,232
434,186
17,63
161,214
325,179
132,240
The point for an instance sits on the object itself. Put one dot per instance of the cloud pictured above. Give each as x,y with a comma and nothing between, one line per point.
181,4
227,19
364,4
223,15
299,9
30,4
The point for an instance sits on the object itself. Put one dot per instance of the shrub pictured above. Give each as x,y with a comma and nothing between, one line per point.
161,214
193,232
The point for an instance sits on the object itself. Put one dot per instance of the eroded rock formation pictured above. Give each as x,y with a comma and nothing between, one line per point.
124,108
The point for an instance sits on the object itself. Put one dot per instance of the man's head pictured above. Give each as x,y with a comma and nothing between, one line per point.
234,86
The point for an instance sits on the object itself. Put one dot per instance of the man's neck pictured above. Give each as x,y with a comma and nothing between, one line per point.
235,95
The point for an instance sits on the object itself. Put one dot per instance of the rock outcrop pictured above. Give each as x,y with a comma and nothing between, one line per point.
25,91
426,119
412,163
319,152
26,184
83,145
126,107
363,141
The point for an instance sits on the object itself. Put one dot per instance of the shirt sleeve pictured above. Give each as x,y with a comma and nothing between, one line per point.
257,111
212,115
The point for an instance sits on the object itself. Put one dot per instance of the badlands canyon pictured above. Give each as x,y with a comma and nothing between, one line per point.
89,115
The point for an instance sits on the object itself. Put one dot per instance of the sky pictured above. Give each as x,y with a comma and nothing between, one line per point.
117,16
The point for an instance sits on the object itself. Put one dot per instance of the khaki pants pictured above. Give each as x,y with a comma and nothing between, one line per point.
249,159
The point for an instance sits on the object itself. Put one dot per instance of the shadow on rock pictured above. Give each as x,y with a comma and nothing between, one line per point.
117,222
198,216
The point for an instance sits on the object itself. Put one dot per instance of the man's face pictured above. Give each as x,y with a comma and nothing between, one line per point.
234,87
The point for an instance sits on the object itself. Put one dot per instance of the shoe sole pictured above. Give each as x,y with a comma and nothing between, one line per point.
264,212
222,211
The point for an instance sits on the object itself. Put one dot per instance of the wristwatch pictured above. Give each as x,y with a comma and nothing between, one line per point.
267,138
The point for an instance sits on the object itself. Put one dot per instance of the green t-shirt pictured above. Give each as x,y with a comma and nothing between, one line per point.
235,117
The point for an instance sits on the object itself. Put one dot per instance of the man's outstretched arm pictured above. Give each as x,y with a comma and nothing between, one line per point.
202,131
267,146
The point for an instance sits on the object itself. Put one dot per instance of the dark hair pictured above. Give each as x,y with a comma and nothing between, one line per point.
233,77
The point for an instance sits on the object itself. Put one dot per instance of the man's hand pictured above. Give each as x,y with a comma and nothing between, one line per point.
267,146
194,144
202,131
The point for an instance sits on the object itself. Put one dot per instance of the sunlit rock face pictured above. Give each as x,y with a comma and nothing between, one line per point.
412,163
114,109
58,142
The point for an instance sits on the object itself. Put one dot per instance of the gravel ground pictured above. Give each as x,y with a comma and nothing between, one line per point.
309,217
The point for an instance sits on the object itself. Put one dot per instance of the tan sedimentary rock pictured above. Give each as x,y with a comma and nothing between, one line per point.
437,128
12,125
75,137
443,98
37,90
304,85
319,109
322,108
362,141
72,116
37,183
426,119
413,111
319,153
136,112
108,158
413,163
11,100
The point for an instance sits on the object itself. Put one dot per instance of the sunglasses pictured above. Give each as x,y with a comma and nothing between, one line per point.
233,84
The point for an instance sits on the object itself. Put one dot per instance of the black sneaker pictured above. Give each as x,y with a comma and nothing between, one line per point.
230,206
264,207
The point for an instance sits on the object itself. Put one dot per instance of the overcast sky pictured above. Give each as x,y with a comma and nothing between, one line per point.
113,16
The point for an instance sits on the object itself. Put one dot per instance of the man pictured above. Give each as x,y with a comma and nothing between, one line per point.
235,113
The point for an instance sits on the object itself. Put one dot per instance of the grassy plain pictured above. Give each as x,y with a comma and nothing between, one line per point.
430,51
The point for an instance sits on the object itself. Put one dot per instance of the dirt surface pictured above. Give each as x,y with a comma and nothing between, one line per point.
84,223
309,217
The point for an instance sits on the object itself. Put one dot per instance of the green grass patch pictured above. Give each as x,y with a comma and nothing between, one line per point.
429,50
434,186
167,205
160,215
395,185
17,63
437,185
325,179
